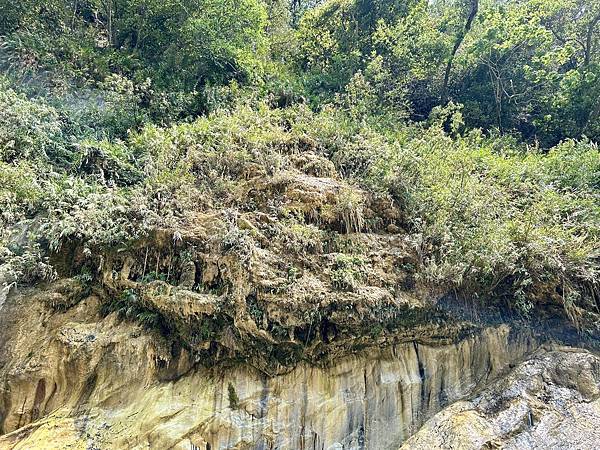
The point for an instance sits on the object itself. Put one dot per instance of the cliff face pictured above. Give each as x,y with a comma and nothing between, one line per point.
72,379
272,304
552,400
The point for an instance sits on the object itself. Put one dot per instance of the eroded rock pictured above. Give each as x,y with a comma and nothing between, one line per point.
105,387
549,401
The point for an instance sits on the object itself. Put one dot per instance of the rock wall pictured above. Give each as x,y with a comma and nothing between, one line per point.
372,401
549,401
75,380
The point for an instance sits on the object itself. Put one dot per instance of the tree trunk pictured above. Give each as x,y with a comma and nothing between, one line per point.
459,40
589,42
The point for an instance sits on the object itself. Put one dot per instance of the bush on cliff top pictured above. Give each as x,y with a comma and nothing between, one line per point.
487,216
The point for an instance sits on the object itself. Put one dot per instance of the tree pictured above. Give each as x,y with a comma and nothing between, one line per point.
473,8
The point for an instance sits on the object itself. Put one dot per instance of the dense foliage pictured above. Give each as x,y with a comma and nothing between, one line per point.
478,119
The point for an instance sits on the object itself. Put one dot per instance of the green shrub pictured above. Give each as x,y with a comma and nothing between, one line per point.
348,272
30,129
21,193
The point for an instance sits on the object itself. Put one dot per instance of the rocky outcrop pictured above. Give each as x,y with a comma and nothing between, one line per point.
73,379
550,401
241,330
